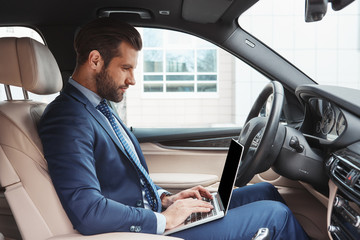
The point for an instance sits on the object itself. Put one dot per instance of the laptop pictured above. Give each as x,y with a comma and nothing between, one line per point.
221,199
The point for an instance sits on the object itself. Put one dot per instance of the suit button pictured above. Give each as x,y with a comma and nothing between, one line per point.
132,229
137,229
139,203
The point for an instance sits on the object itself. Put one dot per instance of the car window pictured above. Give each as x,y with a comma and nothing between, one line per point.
327,51
184,81
16,92
175,63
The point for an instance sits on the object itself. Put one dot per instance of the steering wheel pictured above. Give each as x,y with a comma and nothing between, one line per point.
262,137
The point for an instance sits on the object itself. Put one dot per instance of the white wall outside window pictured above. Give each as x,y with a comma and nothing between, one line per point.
328,51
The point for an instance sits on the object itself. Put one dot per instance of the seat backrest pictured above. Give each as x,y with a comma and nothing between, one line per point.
34,203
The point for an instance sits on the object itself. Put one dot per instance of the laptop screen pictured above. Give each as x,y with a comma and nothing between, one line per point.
230,171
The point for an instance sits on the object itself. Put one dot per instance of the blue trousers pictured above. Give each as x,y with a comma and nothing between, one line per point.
251,207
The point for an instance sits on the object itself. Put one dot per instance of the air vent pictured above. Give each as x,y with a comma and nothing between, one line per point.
341,170
357,186
347,174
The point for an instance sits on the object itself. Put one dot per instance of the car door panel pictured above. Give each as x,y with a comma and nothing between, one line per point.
182,169
183,158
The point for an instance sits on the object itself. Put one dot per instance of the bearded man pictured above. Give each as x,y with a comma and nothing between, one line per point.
99,171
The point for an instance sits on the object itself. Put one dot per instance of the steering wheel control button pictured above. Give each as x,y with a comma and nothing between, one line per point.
256,141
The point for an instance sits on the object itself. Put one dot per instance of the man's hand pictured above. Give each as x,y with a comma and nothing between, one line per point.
182,204
177,212
197,192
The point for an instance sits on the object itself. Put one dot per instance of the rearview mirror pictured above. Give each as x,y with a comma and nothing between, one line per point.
315,10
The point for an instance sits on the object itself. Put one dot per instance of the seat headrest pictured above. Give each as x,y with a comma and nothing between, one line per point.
26,63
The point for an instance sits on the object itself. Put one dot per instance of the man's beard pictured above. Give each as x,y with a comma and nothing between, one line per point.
106,87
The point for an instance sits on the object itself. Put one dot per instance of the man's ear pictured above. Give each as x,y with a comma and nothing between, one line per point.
95,60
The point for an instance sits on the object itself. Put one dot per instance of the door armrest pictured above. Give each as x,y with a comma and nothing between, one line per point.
183,180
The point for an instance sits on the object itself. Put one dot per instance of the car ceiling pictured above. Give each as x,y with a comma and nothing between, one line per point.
57,17
213,20
44,12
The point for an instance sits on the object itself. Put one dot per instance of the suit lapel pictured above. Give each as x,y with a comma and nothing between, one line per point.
134,142
105,125
75,93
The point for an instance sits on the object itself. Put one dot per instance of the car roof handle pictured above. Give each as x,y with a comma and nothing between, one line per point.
143,14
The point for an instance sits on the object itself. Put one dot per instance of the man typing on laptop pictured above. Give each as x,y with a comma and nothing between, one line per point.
100,173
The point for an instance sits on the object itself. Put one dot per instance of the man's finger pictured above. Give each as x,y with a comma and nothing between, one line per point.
204,192
192,193
199,203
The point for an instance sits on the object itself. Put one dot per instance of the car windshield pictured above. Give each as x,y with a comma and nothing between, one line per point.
327,51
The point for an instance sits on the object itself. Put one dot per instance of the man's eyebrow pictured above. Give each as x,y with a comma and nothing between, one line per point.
127,66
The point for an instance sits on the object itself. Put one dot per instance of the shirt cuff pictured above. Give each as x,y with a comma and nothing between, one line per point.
161,223
161,191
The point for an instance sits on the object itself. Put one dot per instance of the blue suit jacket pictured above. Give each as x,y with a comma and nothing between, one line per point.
97,184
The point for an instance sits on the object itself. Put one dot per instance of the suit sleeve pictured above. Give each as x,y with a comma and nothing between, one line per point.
68,142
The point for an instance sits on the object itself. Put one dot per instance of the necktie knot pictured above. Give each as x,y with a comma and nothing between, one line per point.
104,108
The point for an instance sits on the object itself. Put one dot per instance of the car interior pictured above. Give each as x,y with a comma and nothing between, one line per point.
299,135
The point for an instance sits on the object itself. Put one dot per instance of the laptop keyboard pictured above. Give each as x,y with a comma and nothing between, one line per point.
201,215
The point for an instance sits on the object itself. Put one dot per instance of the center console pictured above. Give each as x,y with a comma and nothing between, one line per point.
343,167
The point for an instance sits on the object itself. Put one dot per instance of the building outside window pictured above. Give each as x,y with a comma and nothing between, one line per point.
174,62
182,81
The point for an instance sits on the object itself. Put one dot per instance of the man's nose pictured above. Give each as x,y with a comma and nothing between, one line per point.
130,80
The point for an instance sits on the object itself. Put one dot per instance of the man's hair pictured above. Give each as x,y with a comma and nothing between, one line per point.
105,36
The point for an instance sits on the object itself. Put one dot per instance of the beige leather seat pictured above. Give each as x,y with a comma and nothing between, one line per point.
23,170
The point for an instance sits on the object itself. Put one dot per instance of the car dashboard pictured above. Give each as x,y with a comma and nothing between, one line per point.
329,119
332,125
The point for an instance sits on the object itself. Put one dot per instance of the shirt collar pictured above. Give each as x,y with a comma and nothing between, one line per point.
90,95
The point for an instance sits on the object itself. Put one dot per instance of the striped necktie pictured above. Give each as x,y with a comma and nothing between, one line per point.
150,190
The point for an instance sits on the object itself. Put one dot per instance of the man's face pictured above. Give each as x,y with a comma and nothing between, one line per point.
112,81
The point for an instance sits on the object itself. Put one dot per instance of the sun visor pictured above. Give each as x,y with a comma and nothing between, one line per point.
204,11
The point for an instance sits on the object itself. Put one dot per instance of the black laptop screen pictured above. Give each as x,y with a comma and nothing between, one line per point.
230,171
